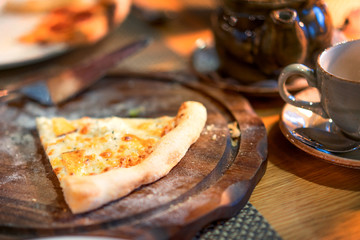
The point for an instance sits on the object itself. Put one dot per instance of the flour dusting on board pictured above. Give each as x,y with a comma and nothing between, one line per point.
10,178
17,136
20,146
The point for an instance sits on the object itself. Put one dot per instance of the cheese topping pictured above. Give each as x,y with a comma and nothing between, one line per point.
62,126
91,146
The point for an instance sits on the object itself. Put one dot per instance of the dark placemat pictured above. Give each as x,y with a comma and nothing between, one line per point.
248,224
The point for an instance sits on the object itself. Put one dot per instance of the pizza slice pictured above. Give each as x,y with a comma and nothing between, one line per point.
100,160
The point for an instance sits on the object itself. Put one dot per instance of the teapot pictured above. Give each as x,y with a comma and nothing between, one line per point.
255,39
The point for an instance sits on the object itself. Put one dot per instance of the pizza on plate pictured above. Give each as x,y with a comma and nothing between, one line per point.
71,22
100,160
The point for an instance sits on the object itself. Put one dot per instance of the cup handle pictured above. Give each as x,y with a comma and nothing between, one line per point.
309,75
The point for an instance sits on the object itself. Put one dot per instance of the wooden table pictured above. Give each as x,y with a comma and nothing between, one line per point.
301,196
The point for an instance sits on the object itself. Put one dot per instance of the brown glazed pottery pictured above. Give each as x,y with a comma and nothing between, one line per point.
255,39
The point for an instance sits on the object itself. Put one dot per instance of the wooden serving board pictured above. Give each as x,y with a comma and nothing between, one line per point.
213,181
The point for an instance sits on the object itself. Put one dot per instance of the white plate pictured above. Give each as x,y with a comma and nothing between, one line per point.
14,53
293,117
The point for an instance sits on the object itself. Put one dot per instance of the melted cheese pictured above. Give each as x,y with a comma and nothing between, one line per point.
62,126
98,145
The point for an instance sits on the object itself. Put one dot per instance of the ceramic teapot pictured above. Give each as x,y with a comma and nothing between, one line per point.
255,39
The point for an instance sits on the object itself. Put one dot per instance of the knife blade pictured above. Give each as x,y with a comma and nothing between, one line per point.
70,82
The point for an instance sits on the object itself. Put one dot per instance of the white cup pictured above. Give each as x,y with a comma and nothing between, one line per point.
337,77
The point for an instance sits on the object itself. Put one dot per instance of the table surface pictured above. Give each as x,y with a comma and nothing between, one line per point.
301,196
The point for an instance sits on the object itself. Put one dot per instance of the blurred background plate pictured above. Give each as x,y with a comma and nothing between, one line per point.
12,52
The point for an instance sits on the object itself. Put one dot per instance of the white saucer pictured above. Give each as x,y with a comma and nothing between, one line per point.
293,117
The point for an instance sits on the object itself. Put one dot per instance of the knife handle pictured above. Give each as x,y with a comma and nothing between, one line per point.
100,65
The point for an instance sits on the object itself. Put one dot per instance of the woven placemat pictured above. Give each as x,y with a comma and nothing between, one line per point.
248,224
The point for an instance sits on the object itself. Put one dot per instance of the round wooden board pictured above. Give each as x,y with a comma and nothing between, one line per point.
213,181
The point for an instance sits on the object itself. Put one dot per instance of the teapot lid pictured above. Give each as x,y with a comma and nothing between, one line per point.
244,5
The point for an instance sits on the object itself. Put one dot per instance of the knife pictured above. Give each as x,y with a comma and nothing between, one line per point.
69,82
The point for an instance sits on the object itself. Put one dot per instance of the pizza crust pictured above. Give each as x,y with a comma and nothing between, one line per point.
84,193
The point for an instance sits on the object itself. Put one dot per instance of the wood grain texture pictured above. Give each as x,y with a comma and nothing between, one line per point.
304,197
214,180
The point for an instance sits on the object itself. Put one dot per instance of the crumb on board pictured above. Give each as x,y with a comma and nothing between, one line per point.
234,130
214,137
210,127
